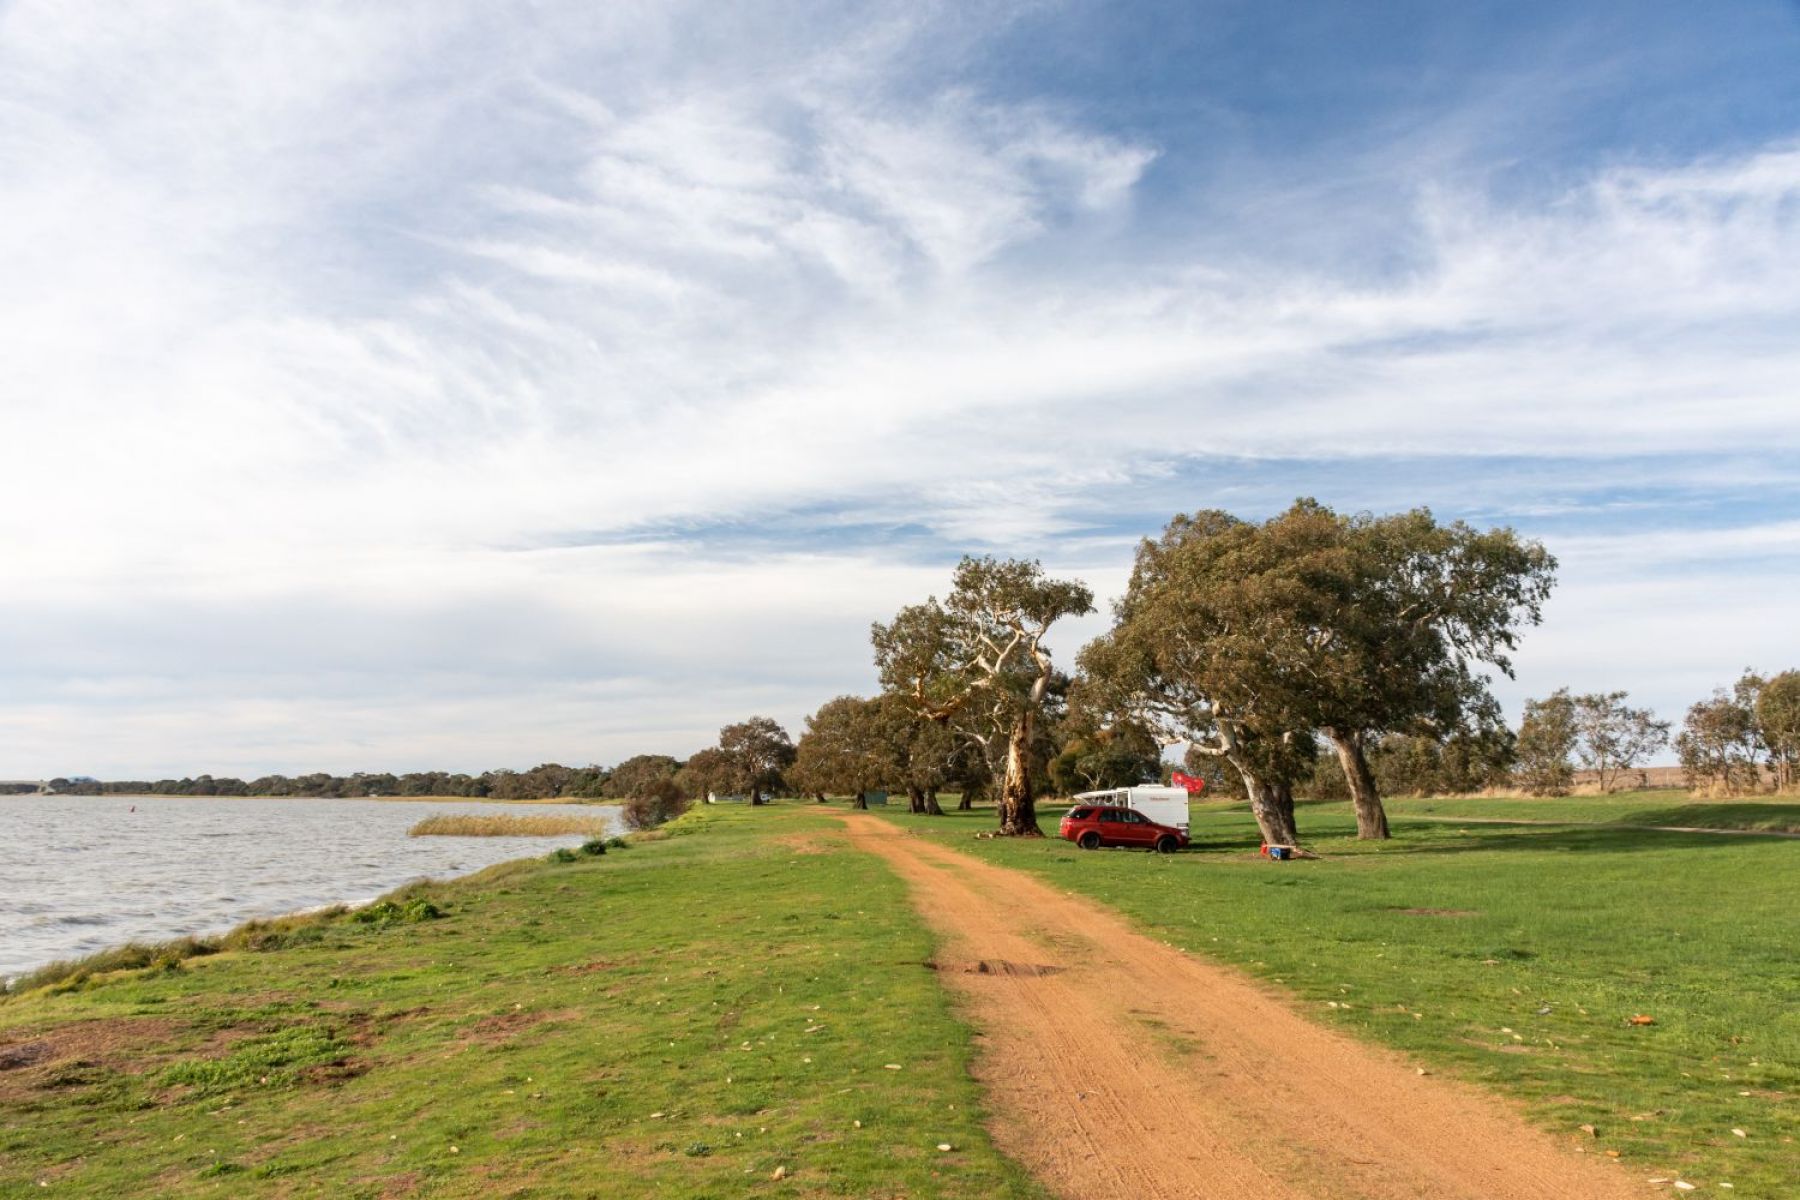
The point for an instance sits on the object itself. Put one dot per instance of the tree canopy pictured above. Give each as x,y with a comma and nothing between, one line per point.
981,653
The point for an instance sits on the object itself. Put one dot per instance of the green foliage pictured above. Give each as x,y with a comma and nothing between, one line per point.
661,801
1612,737
636,776
1243,639
594,847
1778,723
410,911
263,1062
1547,739
1408,765
754,752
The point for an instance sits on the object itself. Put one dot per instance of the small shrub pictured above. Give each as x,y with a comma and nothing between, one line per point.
661,802
387,912
564,855
594,847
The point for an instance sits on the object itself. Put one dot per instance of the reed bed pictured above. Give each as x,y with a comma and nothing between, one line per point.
507,825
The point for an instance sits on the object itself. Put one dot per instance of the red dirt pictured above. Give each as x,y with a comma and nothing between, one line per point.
1136,1071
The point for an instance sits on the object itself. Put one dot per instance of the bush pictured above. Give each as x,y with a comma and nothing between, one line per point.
594,847
662,802
387,912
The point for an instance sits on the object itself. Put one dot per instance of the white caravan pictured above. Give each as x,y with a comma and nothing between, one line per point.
1164,805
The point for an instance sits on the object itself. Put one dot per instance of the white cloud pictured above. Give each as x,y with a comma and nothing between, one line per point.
342,307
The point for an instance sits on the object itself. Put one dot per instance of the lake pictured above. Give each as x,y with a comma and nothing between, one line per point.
83,873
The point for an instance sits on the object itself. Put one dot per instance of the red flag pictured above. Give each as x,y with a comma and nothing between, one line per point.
1178,779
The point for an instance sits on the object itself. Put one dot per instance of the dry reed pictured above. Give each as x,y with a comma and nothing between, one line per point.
506,825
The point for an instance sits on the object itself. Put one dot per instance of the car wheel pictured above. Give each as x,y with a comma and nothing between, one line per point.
1167,845
1089,841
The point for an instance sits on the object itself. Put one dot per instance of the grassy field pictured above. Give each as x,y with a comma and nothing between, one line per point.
685,1018
1513,956
1662,806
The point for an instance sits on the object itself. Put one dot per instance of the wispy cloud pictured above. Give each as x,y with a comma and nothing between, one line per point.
654,352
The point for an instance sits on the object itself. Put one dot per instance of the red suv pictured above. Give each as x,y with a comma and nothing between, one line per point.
1093,826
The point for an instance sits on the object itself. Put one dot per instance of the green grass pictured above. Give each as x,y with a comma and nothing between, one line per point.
1654,807
1594,925
678,1018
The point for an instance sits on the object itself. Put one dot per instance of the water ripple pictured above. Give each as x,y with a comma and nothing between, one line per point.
81,873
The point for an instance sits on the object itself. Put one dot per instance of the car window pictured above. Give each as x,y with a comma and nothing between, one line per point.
1111,815
1132,818
1079,814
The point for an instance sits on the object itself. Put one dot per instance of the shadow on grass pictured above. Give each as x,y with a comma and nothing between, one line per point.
1777,817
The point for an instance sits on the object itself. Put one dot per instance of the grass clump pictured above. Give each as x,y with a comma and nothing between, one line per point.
272,1061
390,912
508,825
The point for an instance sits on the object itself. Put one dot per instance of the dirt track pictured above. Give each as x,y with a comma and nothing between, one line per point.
1120,1067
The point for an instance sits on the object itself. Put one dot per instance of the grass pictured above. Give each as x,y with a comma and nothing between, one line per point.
1660,806
1513,956
681,1019
507,825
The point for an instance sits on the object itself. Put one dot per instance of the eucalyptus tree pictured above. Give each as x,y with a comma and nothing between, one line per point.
757,749
1614,737
981,653
842,750
1243,638
1777,708
1398,614
1204,650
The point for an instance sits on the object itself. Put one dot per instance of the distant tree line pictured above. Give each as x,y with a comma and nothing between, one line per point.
1315,653
1740,740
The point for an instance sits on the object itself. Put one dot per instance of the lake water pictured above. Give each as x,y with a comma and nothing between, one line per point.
83,873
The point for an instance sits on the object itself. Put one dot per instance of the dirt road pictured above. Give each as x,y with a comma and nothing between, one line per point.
1120,1067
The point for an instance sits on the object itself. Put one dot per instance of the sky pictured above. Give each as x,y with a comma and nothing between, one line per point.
453,385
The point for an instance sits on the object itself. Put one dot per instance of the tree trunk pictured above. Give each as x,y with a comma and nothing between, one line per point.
915,799
1371,817
819,797
931,803
1018,807
755,796
966,803
862,801
1273,806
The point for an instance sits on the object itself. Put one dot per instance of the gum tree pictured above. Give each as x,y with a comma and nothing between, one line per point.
757,750
981,650
1204,650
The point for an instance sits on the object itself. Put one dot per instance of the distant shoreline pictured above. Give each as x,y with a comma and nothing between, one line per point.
585,802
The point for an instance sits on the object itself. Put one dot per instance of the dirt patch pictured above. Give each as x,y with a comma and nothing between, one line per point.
1436,912
1236,1096
999,966
808,843
503,1027
74,1053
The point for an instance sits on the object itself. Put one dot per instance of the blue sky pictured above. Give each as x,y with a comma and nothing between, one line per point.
464,385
